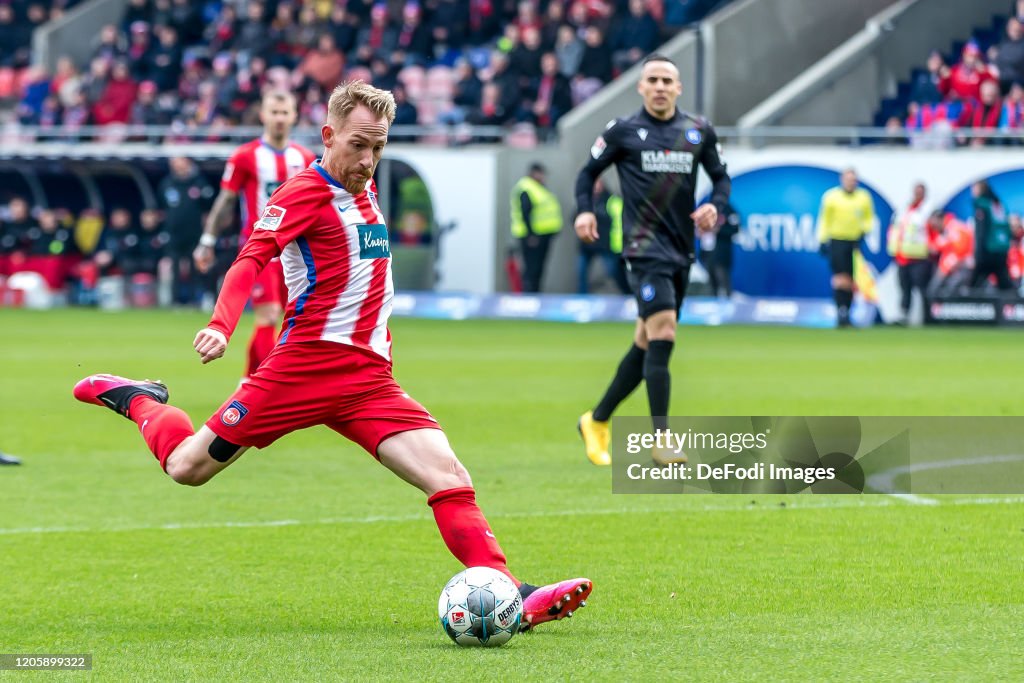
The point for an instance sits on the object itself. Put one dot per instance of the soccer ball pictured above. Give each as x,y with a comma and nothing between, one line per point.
480,606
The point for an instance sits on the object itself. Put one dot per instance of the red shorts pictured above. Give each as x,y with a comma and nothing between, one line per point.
303,384
269,287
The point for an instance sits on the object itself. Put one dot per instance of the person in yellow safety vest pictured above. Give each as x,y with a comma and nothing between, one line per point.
536,219
608,247
907,243
846,215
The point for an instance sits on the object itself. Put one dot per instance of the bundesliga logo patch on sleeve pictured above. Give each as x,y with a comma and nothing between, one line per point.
271,218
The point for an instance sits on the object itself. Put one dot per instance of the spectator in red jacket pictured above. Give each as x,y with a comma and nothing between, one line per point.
551,93
324,65
983,113
118,97
965,78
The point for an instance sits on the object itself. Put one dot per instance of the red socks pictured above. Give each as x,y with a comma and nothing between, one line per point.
466,532
262,343
162,426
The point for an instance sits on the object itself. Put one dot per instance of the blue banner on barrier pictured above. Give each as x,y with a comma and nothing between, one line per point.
776,250
583,309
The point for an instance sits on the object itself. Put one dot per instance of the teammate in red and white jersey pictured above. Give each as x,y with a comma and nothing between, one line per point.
254,171
332,365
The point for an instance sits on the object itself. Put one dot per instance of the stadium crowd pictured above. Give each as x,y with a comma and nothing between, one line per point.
983,91
204,64
137,249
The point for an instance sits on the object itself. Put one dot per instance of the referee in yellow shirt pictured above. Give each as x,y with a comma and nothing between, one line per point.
845,216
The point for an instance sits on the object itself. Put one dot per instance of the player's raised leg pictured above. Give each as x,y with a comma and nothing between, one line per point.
423,458
184,454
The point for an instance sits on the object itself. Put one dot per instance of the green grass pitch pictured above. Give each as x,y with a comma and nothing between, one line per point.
308,561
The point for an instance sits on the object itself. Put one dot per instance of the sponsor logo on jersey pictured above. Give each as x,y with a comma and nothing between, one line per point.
233,414
599,146
642,132
271,218
693,136
373,241
647,292
666,161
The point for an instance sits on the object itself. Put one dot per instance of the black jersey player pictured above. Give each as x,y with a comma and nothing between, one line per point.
657,152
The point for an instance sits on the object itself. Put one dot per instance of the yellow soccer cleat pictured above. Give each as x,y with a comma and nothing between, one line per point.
596,437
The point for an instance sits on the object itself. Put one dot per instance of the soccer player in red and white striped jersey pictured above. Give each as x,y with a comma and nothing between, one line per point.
254,171
332,365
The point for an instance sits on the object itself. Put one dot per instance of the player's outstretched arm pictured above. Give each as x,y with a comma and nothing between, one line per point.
203,254
212,340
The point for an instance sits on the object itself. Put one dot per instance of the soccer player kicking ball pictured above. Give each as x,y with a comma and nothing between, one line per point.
332,365
253,172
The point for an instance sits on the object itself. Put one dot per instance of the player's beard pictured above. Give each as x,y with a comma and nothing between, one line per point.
356,183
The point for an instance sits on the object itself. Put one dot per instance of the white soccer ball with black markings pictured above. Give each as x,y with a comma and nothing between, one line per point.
481,607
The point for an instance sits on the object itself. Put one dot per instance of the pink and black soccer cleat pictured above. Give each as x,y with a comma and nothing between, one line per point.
555,601
117,393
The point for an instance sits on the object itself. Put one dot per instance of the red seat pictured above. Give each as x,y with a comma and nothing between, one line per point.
7,82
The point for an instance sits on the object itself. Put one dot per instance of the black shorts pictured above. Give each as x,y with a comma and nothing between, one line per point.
840,256
657,286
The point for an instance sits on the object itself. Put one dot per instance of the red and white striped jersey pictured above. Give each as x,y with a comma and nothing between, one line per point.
255,170
336,256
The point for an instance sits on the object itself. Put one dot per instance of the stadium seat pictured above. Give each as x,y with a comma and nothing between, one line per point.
427,110
7,82
414,80
34,292
360,73
22,79
522,136
440,83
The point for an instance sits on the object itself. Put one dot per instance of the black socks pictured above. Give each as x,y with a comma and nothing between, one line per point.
659,382
627,378
843,299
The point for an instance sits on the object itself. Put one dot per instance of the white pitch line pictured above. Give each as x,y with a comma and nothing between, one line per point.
914,499
811,502
886,480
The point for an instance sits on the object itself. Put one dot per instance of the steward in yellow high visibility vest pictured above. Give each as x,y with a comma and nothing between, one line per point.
544,213
908,235
907,243
536,219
